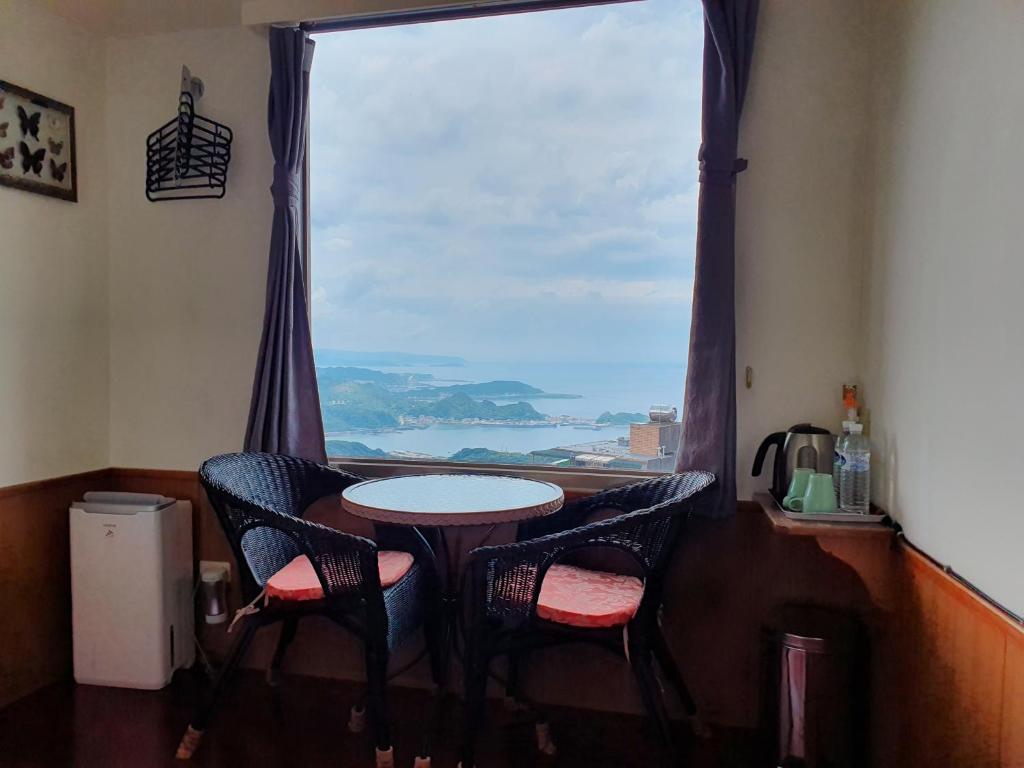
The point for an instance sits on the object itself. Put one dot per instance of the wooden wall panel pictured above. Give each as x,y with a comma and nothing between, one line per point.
35,582
947,671
960,701
1012,746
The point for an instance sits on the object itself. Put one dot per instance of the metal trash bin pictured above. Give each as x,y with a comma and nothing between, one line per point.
814,698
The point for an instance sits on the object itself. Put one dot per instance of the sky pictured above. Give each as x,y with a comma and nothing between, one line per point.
512,188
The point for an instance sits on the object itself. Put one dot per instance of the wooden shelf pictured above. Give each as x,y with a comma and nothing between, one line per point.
788,526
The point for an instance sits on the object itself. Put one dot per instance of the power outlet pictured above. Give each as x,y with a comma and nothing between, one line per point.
216,566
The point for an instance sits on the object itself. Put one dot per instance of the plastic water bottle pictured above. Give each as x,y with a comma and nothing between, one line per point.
837,457
855,472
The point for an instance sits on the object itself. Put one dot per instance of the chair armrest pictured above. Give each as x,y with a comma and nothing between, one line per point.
506,579
321,482
344,563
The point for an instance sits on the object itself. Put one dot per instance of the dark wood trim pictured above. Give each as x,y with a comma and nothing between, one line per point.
156,474
35,486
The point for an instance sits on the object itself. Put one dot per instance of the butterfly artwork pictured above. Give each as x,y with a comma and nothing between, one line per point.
58,171
29,123
41,157
31,161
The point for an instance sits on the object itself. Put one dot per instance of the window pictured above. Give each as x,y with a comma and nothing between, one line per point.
502,227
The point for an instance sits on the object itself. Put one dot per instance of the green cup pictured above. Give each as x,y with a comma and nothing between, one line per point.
798,485
819,498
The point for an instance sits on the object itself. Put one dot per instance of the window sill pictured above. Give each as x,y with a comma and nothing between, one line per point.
572,480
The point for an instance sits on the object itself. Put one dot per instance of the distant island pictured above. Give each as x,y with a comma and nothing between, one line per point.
354,398
334,375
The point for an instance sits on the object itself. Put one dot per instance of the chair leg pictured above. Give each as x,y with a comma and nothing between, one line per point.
477,657
668,665
435,629
516,662
650,693
288,628
376,702
194,733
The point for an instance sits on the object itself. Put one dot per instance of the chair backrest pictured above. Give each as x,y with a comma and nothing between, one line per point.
245,489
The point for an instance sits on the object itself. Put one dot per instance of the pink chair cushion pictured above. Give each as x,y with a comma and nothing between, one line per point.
298,580
583,598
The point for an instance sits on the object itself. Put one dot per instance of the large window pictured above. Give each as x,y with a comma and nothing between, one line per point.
502,223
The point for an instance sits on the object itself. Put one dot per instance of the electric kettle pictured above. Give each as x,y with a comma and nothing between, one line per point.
803,445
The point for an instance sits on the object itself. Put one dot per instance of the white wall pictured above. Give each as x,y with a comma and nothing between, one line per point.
187,278
945,349
801,219
53,267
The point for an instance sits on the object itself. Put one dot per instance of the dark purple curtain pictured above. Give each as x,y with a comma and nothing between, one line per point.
709,407
285,413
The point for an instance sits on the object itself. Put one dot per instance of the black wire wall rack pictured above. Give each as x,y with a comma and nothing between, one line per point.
187,158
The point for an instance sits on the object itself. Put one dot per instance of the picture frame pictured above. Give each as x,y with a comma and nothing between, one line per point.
37,143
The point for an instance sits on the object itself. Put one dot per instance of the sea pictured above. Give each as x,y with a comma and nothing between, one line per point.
630,387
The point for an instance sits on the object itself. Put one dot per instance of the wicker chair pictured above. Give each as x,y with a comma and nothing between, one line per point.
509,615
260,499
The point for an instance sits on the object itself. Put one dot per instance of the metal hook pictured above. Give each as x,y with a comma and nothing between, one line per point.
191,85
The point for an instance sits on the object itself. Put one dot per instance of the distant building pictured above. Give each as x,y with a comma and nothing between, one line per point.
658,437
651,447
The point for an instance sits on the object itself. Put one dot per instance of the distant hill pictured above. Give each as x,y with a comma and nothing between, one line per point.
339,418
353,449
621,418
487,456
329,376
335,357
493,389
462,406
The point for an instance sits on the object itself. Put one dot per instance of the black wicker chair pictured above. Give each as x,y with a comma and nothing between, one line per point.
643,523
260,500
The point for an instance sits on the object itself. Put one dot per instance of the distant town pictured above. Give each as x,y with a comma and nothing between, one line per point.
364,400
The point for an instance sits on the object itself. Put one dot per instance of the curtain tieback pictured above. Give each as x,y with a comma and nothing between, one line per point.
717,177
287,187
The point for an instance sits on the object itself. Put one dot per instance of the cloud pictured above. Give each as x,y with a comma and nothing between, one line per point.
464,174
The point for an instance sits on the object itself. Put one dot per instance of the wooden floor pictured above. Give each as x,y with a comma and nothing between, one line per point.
303,724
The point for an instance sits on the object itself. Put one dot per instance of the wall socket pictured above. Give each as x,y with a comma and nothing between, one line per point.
216,566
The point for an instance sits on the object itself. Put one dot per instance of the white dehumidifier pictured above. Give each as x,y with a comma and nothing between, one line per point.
131,589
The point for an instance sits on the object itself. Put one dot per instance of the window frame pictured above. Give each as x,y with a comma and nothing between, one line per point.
576,480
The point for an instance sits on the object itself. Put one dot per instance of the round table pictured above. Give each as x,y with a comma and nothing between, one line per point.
451,501
440,501
448,504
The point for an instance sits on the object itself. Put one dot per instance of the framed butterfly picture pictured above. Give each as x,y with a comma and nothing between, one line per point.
37,143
